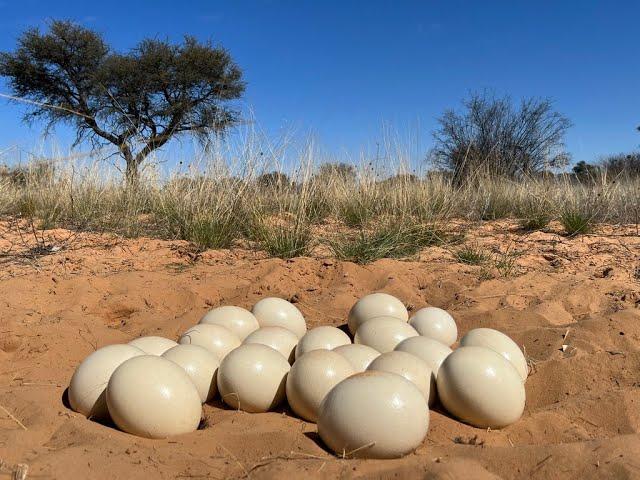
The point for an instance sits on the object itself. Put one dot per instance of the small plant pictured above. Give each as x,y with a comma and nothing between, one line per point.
388,241
207,233
486,273
435,205
282,213
43,208
497,205
423,236
124,212
318,209
576,222
284,239
202,212
535,221
534,213
505,263
355,213
471,255
589,204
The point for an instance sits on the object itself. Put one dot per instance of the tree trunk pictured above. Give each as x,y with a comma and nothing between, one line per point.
132,175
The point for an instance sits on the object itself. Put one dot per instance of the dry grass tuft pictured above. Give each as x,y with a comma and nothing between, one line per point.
282,203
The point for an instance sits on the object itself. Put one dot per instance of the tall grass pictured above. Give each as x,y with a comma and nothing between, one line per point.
229,197
282,214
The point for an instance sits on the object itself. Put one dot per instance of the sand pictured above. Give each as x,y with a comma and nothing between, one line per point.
582,415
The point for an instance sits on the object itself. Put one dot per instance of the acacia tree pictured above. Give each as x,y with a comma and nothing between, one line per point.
493,136
136,101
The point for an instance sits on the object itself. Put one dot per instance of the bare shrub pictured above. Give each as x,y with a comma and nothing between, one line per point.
495,138
622,164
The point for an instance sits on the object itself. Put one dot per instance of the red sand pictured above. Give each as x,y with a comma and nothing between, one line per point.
582,416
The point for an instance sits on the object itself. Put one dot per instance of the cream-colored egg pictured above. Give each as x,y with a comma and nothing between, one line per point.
321,338
431,352
410,367
376,305
277,312
201,366
359,356
480,387
435,323
383,333
427,349
239,320
310,379
217,339
153,397
153,345
253,377
89,381
498,342
373,415
279,338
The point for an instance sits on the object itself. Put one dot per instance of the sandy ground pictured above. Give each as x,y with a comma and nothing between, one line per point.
582,417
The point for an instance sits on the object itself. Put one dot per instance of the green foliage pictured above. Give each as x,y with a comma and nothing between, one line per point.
534,213
471,255
356,212
213,209
497,204
204,211
537,220
209,232
386,241
318,208
283,239
585,171
575,221
505,263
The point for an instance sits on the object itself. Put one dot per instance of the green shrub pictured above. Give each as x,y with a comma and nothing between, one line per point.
576,222
284,239
534,213
471,255
386,241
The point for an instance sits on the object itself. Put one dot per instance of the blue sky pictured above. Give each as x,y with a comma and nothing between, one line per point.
342,69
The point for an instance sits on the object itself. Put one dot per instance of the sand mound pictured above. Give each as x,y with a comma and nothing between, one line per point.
582,417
